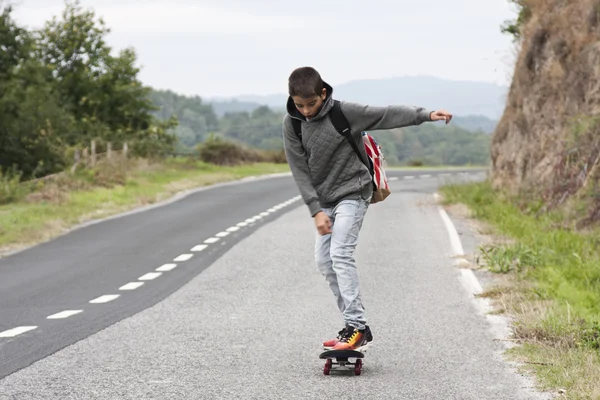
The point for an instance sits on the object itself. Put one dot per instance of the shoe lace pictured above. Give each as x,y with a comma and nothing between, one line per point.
349,335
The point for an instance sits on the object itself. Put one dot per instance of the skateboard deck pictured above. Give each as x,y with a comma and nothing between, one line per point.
342,358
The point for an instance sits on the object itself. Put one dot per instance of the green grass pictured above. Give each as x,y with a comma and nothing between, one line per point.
72,200
555,298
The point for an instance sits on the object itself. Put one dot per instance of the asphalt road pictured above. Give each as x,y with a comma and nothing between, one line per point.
239,309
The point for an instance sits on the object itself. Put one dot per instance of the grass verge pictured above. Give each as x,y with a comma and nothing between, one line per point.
550,290
110,188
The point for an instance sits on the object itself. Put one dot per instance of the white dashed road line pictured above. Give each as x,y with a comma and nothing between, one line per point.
153,275
105,298
166,267
16,331
131,286
64,314
183,257
150,276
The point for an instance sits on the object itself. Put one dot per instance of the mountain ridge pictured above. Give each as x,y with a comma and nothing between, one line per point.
458,96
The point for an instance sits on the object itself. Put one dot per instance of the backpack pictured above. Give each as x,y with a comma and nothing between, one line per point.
381,189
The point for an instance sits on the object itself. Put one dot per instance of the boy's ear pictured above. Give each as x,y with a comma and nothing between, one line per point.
324,94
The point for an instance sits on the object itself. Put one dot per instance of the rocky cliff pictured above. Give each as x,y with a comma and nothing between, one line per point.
548,139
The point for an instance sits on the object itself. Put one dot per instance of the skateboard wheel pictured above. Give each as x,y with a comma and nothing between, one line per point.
358,367
327,367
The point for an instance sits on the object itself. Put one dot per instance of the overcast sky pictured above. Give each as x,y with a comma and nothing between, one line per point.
231,47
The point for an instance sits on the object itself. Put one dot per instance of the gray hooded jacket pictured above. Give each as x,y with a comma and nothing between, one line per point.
323,164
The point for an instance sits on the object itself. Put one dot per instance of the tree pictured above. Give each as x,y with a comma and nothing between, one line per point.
102,91
31,118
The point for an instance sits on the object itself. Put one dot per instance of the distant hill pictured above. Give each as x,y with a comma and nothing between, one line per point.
461,97
465,141
475,123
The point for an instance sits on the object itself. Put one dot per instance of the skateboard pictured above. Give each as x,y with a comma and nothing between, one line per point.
342,358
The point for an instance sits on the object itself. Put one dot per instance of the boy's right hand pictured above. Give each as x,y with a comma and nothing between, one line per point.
323,223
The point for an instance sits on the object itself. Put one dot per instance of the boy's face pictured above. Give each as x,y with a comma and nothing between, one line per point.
309,107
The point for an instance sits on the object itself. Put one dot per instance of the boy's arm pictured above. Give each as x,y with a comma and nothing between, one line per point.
296,158
364,118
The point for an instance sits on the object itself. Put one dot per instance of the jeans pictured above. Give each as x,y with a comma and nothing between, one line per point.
334,255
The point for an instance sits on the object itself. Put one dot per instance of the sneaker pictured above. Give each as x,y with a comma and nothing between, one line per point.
328,345
353,339
347,331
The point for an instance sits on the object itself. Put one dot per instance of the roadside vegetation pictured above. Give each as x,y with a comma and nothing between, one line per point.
550,286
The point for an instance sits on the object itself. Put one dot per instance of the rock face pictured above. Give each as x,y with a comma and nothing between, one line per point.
548,138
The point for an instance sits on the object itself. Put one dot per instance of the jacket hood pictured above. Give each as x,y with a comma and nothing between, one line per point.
327,104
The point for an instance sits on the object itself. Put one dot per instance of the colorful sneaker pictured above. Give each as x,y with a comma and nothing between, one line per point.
353,339
328,345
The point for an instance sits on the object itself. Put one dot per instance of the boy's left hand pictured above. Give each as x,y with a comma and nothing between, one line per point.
441,115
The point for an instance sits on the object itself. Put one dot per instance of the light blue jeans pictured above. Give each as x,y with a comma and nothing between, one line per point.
334,255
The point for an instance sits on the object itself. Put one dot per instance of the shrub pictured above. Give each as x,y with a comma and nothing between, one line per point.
11,188
220,151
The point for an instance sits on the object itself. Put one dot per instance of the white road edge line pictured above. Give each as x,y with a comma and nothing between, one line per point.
105,299
500,325
233,229
212,240
222,234
469,279
16,331
200,247
64,314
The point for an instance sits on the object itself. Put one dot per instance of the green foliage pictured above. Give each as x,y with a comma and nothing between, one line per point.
31,118
434,144
195,119
516,257
10,186
513,27
563,263
262,128
427,144
61,87
219,151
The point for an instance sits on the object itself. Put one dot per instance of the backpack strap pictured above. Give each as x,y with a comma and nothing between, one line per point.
297,128
341,124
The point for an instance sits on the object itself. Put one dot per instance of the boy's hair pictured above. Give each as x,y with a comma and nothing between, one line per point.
305,82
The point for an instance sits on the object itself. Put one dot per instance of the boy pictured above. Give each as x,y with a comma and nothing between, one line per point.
336,185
